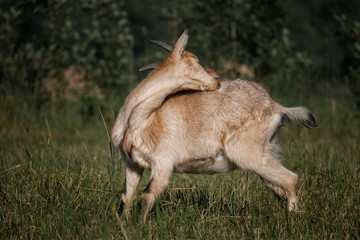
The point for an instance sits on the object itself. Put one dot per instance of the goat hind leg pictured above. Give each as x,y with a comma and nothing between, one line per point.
248,154
281,180
276,189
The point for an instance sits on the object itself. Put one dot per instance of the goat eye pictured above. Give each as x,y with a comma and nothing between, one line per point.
195,58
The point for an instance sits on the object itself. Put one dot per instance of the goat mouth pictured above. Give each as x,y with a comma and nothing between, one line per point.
211,87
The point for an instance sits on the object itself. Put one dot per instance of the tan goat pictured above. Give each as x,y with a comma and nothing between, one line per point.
233,125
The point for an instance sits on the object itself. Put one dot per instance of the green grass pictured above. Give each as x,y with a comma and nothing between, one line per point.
59,181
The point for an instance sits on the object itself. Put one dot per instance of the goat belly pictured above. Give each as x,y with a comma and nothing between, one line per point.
218,164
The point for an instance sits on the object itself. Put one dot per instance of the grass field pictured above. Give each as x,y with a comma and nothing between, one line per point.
58,180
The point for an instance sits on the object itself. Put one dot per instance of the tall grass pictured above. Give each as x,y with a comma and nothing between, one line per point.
59,181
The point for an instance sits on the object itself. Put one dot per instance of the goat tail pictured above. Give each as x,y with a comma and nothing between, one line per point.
302,115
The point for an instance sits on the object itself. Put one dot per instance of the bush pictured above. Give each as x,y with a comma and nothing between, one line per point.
246,39
42,40
244,32
350,38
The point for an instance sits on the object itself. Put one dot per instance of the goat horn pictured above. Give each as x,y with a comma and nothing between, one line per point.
165,46
149,66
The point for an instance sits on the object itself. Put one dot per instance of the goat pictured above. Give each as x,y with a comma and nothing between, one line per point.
230,124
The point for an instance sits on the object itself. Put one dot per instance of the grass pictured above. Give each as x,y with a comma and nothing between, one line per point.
58,180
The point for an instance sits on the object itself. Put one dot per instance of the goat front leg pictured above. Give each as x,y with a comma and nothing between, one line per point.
133,175
159,180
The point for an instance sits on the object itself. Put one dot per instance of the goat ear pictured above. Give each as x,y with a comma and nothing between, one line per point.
180,44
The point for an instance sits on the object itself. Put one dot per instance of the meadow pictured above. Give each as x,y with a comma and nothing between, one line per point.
60,179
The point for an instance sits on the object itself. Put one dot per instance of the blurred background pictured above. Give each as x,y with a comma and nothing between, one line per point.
66,67
87,52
